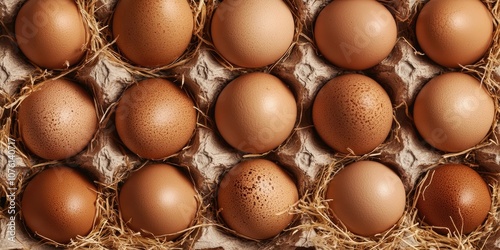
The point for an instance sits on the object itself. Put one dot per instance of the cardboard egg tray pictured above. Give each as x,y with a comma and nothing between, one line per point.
203,75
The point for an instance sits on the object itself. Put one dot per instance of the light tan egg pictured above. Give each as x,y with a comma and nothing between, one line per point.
355,35
158,199
256,112
367,197
453,112
252,33
52,33
152,33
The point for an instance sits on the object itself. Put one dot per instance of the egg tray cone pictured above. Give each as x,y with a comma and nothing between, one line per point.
203,74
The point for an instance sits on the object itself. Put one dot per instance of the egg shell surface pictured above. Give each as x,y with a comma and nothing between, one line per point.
253,33
454,33
153,33
453,198
59,203
254,198
355,35
367,197
158,199
256,112
155,118
453,112
352,112
58,120
52,33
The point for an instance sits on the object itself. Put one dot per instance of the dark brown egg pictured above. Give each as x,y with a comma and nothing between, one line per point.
453,197
59,203
158,199
155,118
58,120
254,198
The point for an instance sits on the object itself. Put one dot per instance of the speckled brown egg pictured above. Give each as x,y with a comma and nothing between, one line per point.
59,203
453,198
153,33
454,33
155,118
52,33
254,33
352,113
254,198
158,199
355,35
57,120
453,112
367,197
256,112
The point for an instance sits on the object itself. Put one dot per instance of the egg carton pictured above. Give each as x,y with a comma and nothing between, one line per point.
208,157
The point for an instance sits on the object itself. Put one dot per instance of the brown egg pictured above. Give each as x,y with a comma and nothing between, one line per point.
254,198
155,118
453,198
454,33
158,199
367,197
59,203
153,33
252,34
52,33
256,112
58,120
355,35
453,112
352,112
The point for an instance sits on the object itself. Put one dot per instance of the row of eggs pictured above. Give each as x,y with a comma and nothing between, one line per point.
255,113
255,198
354,35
